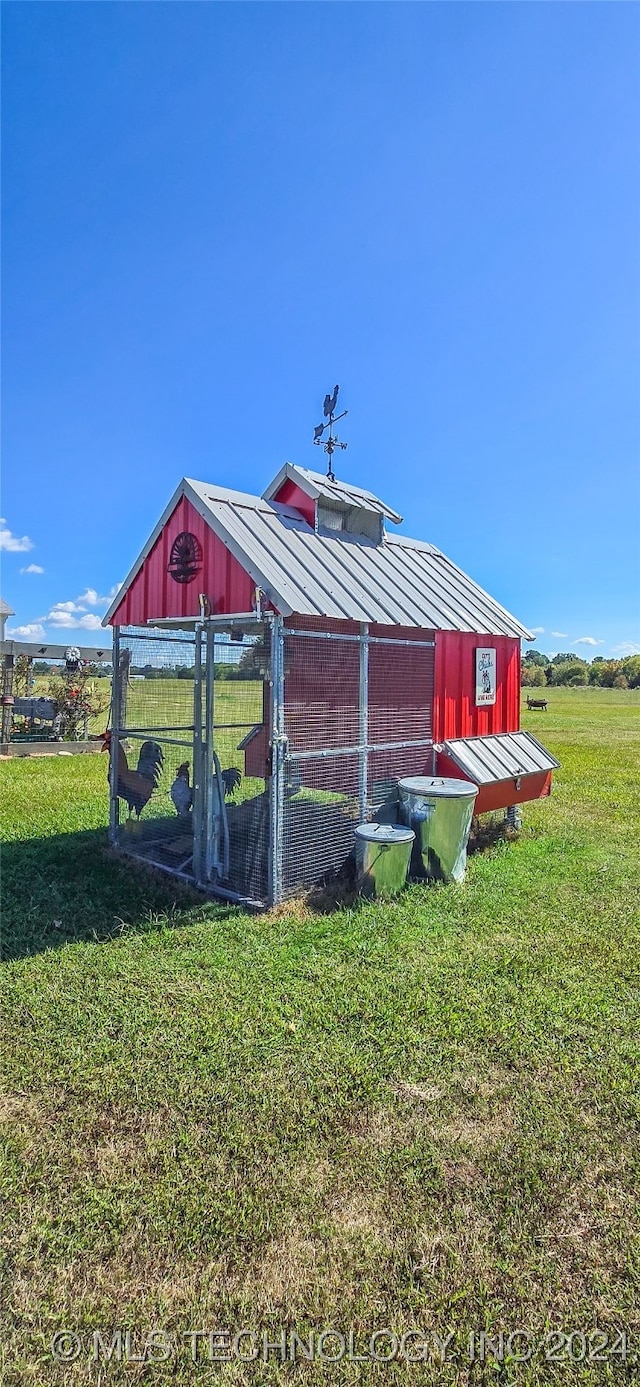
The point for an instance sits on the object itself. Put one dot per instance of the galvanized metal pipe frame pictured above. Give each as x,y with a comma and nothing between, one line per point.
204,640
198,758
363,721
278,751
114,813
357,636
363,639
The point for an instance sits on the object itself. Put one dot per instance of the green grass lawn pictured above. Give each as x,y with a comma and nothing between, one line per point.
422,1114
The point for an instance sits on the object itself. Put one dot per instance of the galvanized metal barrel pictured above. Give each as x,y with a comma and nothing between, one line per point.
440,812
382,858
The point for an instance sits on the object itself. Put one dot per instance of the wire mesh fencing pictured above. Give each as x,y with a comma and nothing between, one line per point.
247,757
157,684
240,665
357,718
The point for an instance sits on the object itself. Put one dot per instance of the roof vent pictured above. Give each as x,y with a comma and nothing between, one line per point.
339,507
352,520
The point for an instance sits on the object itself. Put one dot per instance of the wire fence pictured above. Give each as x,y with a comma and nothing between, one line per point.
357,717
245,758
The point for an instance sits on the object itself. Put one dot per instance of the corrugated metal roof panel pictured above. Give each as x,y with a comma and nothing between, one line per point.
399,582
501,757
403,582
316,484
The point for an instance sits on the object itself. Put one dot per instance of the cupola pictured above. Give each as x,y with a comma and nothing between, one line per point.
330,506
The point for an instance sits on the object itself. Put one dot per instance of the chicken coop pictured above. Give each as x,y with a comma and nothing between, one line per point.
280,663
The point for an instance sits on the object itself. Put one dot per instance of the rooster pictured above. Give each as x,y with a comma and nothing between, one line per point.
181,792
231,779
137,787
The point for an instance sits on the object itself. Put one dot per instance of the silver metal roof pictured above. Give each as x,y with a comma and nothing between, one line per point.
5,609
318,485
399,582
501,757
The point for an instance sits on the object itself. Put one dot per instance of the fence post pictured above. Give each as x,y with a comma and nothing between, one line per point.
363,728
115,738
206,865
198,759
276,792
7,692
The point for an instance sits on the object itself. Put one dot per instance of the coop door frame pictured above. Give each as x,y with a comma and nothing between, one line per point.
366,739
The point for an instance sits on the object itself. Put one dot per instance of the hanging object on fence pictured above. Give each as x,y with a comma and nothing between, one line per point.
72,659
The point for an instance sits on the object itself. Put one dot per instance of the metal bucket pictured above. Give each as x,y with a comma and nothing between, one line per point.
439,812
382,858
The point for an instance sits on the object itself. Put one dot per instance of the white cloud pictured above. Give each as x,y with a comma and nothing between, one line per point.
33,631
32,568
561,635
91,622
13,543
537,630
587,640
91,598
626,648
65,620
59,608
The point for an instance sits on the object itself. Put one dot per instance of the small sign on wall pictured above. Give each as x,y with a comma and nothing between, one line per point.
485,675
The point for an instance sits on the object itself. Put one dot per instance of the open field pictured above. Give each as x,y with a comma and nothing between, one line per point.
417,1115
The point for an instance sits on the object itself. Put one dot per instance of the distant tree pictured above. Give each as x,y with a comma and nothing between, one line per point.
605,672
565,659
533,676
598,660
572,672
535,657
620,682
631,671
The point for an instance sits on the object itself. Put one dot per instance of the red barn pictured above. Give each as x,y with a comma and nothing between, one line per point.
392,660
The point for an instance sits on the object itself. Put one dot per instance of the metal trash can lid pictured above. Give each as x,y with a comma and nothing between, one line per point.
436,786
385,833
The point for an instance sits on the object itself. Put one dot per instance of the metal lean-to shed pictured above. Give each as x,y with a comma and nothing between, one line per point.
280,662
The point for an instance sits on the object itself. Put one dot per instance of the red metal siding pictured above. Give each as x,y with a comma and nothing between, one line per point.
454,709
292,495
154,593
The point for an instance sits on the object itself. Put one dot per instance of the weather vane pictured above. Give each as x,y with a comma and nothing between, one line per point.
332,442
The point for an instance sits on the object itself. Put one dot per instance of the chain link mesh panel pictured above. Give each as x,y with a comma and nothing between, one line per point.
352,716
241,728
153,746
321,707
320,814
372,700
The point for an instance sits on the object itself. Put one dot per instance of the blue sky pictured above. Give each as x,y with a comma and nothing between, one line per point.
212,212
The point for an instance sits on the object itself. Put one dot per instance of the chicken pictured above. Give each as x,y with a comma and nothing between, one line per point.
136,787
181,791
231,779
330,402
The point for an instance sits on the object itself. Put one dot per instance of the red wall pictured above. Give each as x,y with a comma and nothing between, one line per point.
154,593
454,708
291,495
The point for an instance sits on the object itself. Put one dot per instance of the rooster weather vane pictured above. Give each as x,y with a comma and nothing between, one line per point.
332,442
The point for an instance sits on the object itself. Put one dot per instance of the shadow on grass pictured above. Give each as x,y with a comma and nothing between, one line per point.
73,887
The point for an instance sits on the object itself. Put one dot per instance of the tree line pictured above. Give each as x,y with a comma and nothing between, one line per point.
538,671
